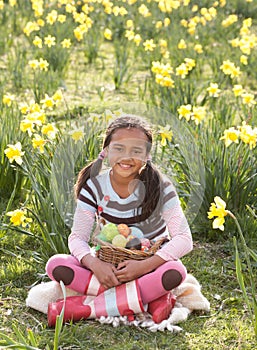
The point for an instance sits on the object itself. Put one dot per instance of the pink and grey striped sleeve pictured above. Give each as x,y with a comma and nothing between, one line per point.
80,233
181,239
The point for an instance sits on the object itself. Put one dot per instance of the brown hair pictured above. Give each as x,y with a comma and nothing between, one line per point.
150,175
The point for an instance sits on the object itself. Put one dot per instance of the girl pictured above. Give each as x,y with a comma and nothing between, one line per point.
131,192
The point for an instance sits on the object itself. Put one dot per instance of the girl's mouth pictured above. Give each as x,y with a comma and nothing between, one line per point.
125,166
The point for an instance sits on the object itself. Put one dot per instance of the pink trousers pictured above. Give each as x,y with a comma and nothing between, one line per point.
152,285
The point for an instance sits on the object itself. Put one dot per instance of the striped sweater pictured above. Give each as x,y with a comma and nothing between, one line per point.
98,196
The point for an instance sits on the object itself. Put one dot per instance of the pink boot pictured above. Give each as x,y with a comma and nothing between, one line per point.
124,300
74,309
160,308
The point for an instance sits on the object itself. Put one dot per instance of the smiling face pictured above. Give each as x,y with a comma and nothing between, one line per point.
127,152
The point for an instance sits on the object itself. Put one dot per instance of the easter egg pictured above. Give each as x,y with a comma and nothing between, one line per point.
124,230
102,237
109,231
145,242
134,244
136,232
144,248
119,241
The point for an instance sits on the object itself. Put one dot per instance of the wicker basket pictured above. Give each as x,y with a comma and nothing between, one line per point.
114,255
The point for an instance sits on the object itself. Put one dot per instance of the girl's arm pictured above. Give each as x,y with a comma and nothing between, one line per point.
78,245
181,242
80,233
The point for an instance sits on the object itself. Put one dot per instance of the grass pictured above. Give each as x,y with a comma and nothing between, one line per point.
227,326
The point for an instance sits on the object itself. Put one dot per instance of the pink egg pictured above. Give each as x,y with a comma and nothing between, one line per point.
145,242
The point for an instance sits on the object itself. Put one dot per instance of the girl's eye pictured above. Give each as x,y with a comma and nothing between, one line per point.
118,149
137,151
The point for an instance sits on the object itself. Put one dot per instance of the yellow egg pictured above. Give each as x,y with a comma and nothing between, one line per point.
119,241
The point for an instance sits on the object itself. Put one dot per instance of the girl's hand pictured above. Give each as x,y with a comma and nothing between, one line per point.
132,269
104,272
129,270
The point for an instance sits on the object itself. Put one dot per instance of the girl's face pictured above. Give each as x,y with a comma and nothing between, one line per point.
127,152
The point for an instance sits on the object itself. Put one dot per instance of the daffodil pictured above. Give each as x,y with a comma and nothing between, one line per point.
218,212
38,42
66,43
18,217
8,99
50,130
182,70
43,64
47,102
137,39
199,113
108,34
244,59
214,90
61,18
238,90
27,125
49,40
57,96
248,99
14,153
52,17
248,134
149,45
77,134
144,11
38,142
182,44
198,48
185,111
230,135
166,135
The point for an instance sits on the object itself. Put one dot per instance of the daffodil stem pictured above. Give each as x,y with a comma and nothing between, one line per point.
248,262
243,241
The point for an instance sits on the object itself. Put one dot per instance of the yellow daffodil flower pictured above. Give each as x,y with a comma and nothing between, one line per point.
185,111
49,40
47,102
199,113
77,134
18,218
149,45
38,142
66,43
50,130
8,99
14,153
214,90
38,42
218,212
230,135
238,90
166,134
108,34
248,99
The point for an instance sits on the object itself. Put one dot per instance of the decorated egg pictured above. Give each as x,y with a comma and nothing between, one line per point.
136,232
109,231
119,241
124,230
145,242
134,243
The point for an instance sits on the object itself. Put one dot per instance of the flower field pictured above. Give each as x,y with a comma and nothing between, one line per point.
67,68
